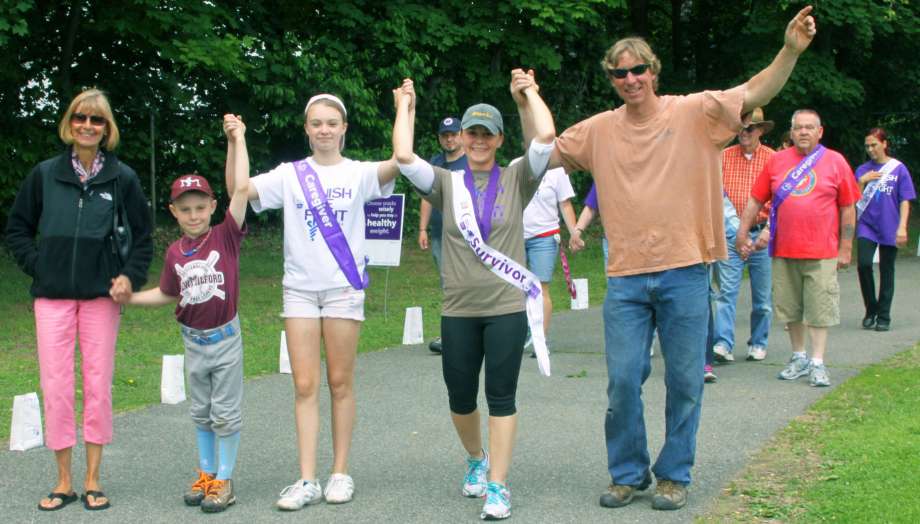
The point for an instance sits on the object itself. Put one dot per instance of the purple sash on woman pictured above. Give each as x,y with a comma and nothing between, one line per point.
324,218
483,215
788,185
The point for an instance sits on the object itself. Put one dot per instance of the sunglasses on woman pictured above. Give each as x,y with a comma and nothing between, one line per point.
620,73
80,118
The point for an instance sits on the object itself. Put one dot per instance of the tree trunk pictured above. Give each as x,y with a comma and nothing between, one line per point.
73,22
638,17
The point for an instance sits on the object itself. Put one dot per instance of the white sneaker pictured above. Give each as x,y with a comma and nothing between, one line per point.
339,489
756,353
299,494
797,367
819,377
475,480
722,353
498,502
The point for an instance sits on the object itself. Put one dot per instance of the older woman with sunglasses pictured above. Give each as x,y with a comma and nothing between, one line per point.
61,232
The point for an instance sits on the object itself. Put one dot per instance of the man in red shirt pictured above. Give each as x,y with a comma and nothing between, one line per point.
741,163
813,193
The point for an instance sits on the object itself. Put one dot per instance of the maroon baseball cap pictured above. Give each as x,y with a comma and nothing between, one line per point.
193,182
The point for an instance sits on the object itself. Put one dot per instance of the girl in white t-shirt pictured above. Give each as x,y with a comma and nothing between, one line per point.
323,295
541,230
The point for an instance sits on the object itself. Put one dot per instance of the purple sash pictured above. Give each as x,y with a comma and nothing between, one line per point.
788,185
324,218
483,215
873,188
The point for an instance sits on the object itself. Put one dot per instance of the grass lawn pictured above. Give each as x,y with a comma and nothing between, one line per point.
851,458
148,333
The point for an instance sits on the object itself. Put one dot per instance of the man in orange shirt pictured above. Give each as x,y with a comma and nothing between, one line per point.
656,167
741,163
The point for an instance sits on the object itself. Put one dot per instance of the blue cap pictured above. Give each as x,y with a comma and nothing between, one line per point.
449,125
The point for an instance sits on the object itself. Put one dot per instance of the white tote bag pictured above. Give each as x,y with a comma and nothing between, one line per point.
26,428
172,384
412,326
581,293
284,358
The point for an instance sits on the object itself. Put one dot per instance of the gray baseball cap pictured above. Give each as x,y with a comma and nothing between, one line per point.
483,115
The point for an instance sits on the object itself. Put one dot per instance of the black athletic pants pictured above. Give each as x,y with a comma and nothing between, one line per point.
865,251
466,342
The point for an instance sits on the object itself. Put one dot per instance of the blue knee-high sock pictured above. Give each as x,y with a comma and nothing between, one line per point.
206,451
227,448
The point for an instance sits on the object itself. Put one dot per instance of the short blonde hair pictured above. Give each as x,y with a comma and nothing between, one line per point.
636,46
91,101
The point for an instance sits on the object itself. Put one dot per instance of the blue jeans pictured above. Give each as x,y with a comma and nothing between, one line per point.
434,244
711,326
676,303
541,256
729,273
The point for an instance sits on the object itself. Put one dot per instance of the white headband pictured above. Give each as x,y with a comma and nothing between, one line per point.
332,98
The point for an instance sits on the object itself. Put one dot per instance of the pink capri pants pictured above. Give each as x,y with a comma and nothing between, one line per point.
58,323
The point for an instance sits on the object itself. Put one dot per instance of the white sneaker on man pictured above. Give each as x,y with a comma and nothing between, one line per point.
756,353
339,489
722,353
299,494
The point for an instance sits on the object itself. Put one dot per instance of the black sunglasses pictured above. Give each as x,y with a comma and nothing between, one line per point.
620,73
81,118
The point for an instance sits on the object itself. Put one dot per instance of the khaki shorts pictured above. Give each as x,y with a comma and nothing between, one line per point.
806,290
343,302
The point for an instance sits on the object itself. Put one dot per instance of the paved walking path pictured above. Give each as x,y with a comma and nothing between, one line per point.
407,462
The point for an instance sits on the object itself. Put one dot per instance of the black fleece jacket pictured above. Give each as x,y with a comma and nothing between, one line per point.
60,231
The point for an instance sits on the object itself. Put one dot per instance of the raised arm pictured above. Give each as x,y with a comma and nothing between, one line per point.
237,167
403,131
555,159
763,86
536,119
404,125
415,169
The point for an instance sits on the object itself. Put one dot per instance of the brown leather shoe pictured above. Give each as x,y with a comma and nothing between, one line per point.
669,495
619,495
219,496
198,489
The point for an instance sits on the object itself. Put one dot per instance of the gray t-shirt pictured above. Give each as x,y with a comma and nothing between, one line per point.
470,288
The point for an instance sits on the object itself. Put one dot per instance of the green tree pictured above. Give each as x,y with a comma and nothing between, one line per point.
183,63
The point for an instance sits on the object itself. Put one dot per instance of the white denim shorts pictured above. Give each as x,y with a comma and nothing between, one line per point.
342,302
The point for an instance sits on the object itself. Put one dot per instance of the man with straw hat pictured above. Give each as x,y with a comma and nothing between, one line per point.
741,163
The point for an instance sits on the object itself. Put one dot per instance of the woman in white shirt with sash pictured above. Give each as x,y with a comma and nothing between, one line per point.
485,277
322,197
